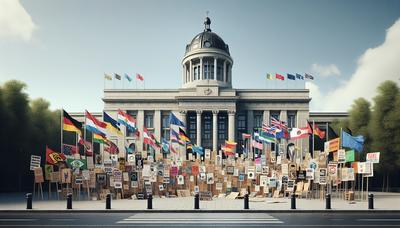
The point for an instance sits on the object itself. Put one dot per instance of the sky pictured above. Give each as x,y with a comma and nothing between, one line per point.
61,49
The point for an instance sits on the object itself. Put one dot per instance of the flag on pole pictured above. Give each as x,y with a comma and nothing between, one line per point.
278,123
108,77
111,124
117,76
126,120
71,124
128,77
183,136
353,142
69,149
53,157
175,121
99,139
198,149
257,145
291,77
270,77
139,77
165,145
112,148
280,77
308,76
94,125
298,133
318,132
265,137
299,76
246,136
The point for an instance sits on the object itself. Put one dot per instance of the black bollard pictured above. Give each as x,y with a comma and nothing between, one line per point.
69,201
246,201
328,201
28,200
196,201
108,201
293,201
370,201
150,202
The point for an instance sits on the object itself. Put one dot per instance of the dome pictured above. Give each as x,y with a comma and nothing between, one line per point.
207,39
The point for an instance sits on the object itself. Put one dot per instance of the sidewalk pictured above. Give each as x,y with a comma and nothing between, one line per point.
382,201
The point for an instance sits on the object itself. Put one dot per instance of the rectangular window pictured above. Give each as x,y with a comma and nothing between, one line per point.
222,128
195,71
291,121
274,114
207,128
219,72
165,126
192,127
149,120
258,120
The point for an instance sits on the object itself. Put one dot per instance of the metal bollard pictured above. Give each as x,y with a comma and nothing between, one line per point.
246,201
150,202
293,201
28,200
108,201
196,201
69,201
370,201
328,201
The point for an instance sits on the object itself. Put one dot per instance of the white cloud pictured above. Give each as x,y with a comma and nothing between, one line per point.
15,22
325,71
374,66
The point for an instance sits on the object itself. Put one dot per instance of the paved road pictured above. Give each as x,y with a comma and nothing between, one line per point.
200,219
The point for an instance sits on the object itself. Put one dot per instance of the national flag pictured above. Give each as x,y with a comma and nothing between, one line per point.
228,151
111,124
146,137
69,149
171,148
257,145
108,77
280,77
175,121
318,132
155,141
353,142
298,133
350,156
94,125
266,137
270,77
111,148
299,76
53,157
139,77
183,136
278,123
71,124
77,163
126,120
198,149
117,76
128,77
291,77
282,134
100,139
308,76
246,136
86,144
174,136
165,145
230,144
268,129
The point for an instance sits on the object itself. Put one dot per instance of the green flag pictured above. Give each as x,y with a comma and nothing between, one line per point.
350,156
77,163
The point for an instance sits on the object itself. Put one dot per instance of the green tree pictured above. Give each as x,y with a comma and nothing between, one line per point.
384,128
359,119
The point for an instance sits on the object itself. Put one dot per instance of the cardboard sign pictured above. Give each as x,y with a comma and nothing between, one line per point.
332,169
341,156
334,144
38,175
350,156
210,178
264,181
35,162
322,176
373,157
181,180
309,174
48,169
66,176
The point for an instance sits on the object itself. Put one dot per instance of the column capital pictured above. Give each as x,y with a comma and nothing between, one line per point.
215,112
199,112
182,111
231,112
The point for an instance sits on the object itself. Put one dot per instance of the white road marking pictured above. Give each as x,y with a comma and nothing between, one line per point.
197,222
380,220
16,219
62,219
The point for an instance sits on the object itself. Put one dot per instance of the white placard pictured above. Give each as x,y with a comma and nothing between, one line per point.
35,162
373,157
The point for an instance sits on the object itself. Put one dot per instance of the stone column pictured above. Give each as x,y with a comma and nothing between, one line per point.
224,73
201,69
157,128
198,127
190,71
183,118
231,125
250,121
266,117
215,68
185,73
140,124
215,130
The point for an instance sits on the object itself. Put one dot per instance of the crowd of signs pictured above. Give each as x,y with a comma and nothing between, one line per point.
271,174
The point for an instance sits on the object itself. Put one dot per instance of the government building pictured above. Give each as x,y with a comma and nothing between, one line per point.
211,109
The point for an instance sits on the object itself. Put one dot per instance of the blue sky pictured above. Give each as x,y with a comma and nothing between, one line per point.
71,44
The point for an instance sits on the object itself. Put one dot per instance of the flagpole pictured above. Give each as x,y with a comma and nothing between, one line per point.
313,141
84,137
62,129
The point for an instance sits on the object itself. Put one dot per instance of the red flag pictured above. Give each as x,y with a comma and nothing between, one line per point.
319,132
139,77
280,77
53,157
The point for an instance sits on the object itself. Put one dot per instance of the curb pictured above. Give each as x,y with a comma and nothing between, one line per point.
199,211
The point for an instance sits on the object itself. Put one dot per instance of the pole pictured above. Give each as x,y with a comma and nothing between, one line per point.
84,137
61,129
312,135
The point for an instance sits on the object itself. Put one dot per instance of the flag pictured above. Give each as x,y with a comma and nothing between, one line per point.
299,76
139,77
308,76
71,124
99,139
77,163
227,150
94,125
318,132
278,123
280,77
111,124
246,136
350,156
165,146
230,144
183,135
175,121
198,149
270,77
128,77
282,134
267,128
265,137
117,76
126,120
174,136
108,77
69,149
155,141
291,77
53,157
298,133
257,145
353,142
146,136
111,148
172,149
86,144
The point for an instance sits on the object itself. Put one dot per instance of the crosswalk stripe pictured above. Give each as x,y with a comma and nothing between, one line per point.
197,219
197,222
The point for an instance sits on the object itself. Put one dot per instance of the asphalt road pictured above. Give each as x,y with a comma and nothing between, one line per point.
200,219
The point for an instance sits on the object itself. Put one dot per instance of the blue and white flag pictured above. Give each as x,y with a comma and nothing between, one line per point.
198,149
175,121
354,142
165,145
128,77
299,76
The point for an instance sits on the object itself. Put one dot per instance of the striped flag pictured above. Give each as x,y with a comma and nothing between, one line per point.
280,77
128,77
108,77
139,77
278,123
308,76
299,76
270,77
